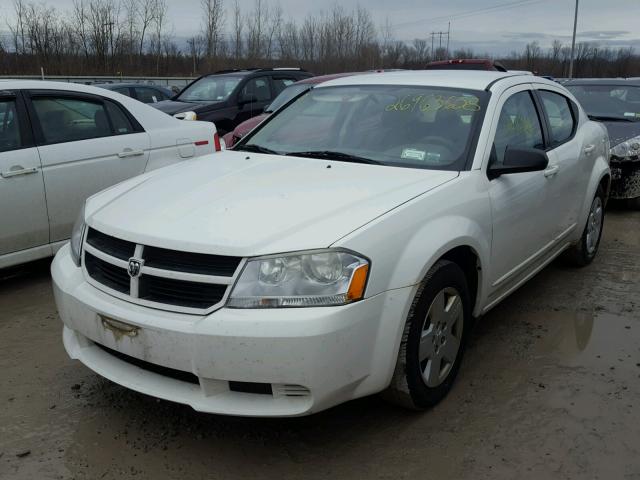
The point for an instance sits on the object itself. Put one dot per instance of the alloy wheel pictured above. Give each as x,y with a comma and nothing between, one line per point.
441,336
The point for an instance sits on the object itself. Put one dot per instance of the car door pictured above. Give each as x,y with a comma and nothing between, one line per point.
254,96
523,218
23,207
86,144
569,167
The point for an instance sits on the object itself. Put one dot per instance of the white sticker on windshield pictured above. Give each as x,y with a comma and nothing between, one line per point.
630,114
413,154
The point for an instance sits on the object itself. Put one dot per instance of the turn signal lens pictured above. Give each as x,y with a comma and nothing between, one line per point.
358,282
216,142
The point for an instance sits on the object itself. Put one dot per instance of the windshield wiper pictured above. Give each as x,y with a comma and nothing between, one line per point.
255,148
331,155
605,118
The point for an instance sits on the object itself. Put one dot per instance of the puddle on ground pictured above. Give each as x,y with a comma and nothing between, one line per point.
588,339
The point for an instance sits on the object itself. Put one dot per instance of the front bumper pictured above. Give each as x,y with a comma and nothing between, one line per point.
312,358
625,179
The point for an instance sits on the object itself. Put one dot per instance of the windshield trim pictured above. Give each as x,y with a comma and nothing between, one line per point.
472,142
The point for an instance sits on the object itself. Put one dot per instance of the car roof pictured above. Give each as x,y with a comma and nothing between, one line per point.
10,84
603,81
464,79
130,84
251,71
325,78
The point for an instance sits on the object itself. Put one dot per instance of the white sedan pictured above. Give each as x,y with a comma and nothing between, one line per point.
343,248
61,143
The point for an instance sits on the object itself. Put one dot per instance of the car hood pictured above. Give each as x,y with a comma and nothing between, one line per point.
621,131
173,106
235,203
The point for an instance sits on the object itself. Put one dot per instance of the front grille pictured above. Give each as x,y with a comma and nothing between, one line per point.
152,367
107,273
190,262
156,281
179,292
110,245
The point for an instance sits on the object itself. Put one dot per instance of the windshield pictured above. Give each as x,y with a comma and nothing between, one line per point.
286,95
210,89
419,127
609,101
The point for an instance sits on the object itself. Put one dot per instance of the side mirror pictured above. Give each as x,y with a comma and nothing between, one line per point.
519,160
249,98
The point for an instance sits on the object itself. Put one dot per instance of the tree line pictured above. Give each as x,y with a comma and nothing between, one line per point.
137,37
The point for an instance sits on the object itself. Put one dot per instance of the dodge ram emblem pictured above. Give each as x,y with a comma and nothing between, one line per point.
134,267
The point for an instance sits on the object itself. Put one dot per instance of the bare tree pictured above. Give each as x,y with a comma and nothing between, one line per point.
136,37
146,15
196,49
159,21
255,31
212,29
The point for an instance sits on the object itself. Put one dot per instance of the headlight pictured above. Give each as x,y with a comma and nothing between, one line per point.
301,279
627,150
76,237
186,116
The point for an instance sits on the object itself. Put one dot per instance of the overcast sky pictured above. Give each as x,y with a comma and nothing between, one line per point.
494,26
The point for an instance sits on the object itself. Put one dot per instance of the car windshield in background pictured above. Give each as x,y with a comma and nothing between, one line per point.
609,102
286,95
419,127
210,89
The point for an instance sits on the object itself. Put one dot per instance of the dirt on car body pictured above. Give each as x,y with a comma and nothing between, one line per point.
550,388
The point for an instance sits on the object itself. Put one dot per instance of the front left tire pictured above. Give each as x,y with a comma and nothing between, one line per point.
434,339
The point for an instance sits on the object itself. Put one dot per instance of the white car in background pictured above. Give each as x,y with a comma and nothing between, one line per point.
62,142
341,249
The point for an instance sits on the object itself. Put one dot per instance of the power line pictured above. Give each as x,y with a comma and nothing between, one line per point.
470,13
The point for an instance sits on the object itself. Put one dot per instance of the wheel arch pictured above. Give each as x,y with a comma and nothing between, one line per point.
600,176
467,258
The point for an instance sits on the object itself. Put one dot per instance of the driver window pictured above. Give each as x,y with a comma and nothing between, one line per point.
518,126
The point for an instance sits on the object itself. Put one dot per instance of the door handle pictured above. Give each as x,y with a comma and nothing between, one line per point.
127,152
18,170
551,171
589,148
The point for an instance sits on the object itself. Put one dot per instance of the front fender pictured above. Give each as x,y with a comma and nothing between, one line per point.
406,242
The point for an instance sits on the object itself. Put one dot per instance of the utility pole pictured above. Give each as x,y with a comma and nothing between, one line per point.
448,35
440,34
433,53
573,41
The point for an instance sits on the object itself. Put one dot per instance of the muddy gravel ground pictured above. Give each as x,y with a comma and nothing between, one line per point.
549,388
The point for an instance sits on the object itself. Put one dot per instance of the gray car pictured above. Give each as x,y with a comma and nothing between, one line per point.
140,91
616,103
